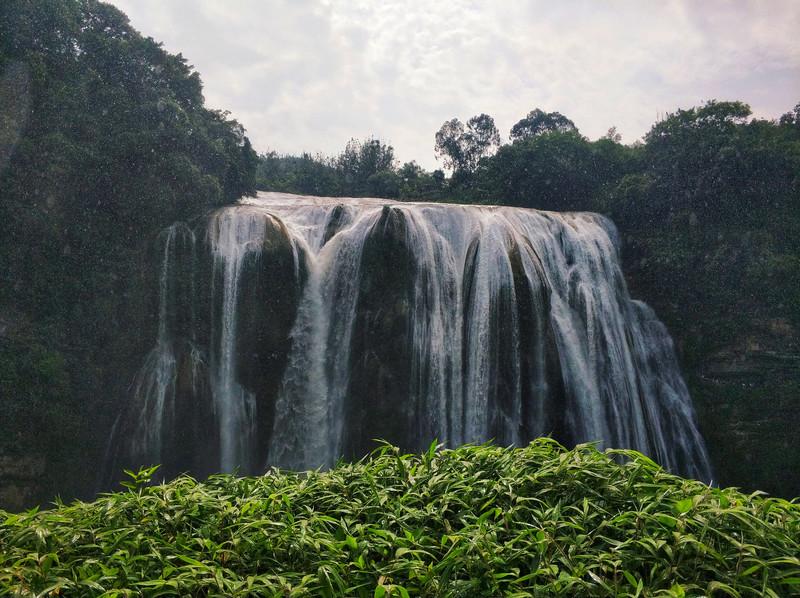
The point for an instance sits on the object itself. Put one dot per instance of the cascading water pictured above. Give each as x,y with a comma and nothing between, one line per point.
154,388
308,421
233,235
336,321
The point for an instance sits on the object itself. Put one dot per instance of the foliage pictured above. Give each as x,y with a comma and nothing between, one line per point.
792,119
538,122
462,147
38,414
116,129
712,160
364,169
417,183
531,172
715,205
475,521
305,174
115,141
104,140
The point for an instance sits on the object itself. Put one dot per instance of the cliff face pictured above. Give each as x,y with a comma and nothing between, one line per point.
63,381
735,326
746,394
20,480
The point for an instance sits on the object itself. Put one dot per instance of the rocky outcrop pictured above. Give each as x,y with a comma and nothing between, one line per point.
267,305
377,405
747,395
20,480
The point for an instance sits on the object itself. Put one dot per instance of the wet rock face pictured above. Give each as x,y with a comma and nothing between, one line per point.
20,480
746,395
182,309
337,219
189,430
377,405
267,305
539,381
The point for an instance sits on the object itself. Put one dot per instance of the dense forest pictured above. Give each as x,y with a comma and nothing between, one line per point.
104,140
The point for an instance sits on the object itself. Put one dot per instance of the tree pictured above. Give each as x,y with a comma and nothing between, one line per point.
462,147
385,183
410,171
713,115
710,159
361,160
449,144
791,119
613,135
559,171
539,122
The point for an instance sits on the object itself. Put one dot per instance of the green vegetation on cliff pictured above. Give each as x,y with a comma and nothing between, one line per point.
104,140
475,521
364,168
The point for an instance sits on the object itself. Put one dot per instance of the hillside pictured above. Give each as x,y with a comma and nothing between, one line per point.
104,140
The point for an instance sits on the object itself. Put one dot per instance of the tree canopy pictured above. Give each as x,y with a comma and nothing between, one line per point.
461,147
365,168
716,161
115,140
539,122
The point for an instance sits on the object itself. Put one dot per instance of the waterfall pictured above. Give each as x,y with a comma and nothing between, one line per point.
234,234
154,388
308,423
332,322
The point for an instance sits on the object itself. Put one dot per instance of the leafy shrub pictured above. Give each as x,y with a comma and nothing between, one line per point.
475,521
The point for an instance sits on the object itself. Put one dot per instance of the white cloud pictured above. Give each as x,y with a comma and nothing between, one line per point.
308,75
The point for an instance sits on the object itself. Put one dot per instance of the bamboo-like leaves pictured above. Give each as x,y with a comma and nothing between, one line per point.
475,521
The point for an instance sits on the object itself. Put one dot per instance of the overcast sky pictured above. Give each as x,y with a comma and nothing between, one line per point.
310,74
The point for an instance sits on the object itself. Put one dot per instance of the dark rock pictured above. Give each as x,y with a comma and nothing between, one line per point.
377,405
267,307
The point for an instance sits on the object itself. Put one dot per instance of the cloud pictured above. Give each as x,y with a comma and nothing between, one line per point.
308,75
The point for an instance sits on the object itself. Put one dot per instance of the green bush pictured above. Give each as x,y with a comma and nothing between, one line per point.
475,521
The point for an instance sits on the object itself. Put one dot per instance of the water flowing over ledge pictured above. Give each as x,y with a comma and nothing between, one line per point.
294,330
